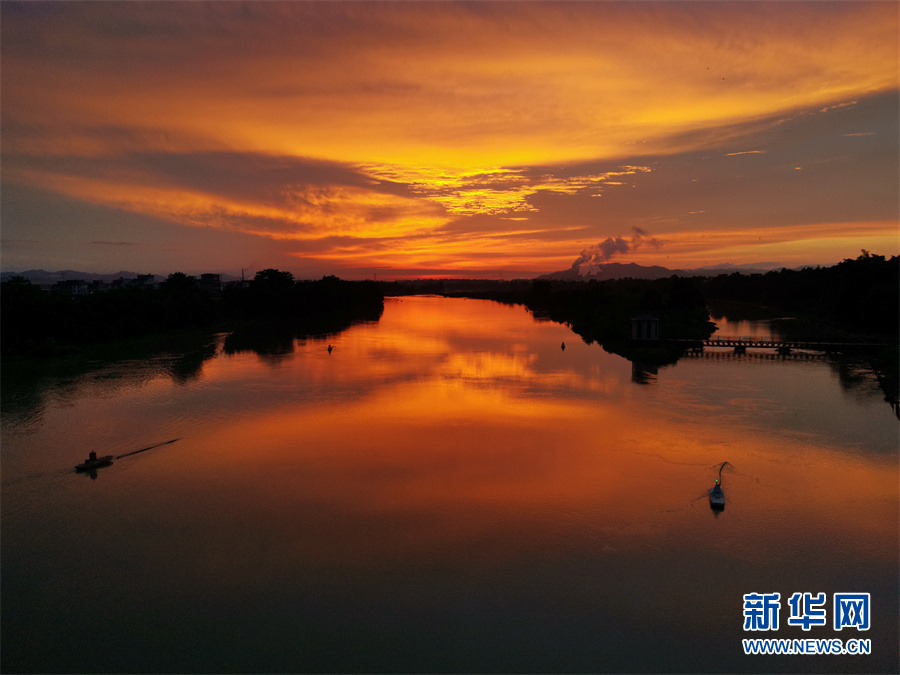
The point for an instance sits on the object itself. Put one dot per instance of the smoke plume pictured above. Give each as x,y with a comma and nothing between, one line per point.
611,246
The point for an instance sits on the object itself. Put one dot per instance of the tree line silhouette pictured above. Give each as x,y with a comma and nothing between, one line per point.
860,296
35,322
857,300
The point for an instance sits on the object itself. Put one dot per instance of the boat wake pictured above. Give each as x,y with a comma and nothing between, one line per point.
128,454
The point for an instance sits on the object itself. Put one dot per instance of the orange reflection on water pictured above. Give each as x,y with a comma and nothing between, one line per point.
456,424
457,466
464,467
455,457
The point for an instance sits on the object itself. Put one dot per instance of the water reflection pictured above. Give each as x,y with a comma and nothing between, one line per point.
643,373
855,373
747,325
92,472
272,343
447,490
30,385
190,364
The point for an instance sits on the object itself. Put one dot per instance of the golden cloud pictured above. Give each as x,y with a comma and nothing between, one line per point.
494,191
445,108
468,88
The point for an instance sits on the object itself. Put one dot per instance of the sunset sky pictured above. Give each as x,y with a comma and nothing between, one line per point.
473,139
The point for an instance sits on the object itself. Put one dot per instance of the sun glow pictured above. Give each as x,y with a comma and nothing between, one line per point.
793,246
380,133
458,393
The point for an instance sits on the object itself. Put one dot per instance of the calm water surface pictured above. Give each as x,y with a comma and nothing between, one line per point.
447,491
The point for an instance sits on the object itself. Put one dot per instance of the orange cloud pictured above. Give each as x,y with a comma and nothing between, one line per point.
421,115
791,245
447,85
494,191
302,213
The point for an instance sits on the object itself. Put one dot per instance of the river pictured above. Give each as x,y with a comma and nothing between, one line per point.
446,490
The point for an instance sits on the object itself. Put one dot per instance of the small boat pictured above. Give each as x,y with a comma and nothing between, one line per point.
716,497
94,462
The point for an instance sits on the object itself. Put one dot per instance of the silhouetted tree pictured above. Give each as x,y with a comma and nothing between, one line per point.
652,300
859,295
37,322
179,281
273,280
270,294
683,293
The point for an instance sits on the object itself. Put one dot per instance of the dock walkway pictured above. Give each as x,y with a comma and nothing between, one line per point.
743,343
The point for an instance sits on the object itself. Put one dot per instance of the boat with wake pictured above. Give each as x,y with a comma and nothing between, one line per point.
94,462
716,497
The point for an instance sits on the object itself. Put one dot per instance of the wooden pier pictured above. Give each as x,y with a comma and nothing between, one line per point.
741,344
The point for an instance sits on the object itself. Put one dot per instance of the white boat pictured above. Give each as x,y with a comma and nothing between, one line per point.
94,462
716,497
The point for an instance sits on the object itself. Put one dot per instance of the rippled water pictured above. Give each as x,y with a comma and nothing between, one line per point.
448,490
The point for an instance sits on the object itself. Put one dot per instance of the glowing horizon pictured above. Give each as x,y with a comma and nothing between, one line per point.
429,139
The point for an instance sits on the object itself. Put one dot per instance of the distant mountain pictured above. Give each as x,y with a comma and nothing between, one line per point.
747,268
612,271
43,277
635,271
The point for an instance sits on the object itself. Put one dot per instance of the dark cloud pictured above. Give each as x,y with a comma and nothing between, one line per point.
235,174
841,178
611,246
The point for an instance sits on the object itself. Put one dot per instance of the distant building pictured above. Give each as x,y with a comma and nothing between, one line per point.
645,327
143,281
72,287
211,283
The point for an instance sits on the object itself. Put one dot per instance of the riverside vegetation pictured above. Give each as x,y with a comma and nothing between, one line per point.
857,300
36,323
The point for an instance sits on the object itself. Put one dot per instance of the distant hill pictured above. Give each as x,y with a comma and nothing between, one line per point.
635,271
43,277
